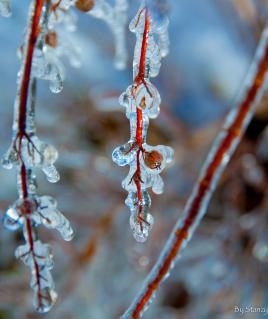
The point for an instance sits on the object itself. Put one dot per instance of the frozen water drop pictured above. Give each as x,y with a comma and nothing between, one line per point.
51,173
158,185
124,154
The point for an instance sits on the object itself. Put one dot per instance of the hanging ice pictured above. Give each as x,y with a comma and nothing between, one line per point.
142,102
116,18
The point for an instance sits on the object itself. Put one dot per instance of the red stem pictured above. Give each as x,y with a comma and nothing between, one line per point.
22,117
28,66
140,79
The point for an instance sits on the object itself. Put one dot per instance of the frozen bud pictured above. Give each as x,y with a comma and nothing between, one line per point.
141,224
147,98
153,159
26,206
51,39
124,154
84,5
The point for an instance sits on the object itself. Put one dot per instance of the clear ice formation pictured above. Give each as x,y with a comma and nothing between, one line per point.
27,153
142,102
116,19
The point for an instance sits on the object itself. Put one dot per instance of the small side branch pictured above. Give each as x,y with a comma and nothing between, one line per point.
218,157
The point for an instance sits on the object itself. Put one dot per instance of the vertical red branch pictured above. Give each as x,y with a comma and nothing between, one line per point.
31,41
139,127
203,188
22,116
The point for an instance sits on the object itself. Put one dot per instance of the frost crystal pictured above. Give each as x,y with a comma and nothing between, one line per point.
142,102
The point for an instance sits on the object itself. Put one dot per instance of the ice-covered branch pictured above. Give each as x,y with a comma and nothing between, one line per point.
142,101
218,157
26,153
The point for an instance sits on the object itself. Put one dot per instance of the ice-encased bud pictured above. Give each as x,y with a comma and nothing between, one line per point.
144,96
156,158
5,9
141,224
14,216
84,5
124,154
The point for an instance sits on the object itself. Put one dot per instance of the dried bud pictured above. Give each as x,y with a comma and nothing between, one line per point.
153,159
143,103
85,5
52,39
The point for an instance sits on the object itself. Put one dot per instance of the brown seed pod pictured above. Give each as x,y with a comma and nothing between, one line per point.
84,5
143,103
153,159
51,39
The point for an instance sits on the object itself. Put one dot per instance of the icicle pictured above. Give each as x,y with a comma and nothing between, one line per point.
116,18
142,101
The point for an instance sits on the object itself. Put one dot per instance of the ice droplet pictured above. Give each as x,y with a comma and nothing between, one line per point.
124,154
141,228
51,173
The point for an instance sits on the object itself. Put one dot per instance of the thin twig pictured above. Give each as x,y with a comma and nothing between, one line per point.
23,95
218,157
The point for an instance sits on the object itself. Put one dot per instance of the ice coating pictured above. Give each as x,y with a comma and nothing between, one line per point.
142,102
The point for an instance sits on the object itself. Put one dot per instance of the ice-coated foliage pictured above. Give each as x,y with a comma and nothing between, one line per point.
142,102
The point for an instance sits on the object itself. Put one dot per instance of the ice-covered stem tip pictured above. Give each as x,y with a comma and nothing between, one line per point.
218,157
142,101
27,152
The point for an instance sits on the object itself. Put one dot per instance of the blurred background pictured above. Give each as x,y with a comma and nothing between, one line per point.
100,271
